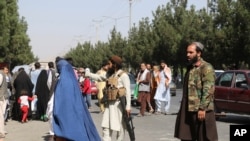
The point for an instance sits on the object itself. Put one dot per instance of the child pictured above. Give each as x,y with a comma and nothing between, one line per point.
24,104
86,90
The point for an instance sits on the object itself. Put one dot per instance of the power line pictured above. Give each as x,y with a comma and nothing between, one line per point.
115,19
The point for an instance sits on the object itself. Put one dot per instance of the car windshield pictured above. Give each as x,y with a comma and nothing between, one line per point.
218,72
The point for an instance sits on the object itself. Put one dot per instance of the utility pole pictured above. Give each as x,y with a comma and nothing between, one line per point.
208,2
115,19
130,13
97,24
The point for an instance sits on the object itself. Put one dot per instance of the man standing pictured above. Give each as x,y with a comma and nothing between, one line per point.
33,76
112,117
143,81
162,96
51,77
101,84
196,120
3,96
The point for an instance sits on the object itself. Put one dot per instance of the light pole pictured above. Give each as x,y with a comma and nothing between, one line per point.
130,13
97,28
115,19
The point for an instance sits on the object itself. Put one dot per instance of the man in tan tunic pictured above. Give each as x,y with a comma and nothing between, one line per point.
112,117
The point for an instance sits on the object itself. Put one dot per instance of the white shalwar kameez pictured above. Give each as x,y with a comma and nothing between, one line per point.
162,95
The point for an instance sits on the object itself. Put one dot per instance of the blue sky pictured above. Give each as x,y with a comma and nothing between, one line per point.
55,26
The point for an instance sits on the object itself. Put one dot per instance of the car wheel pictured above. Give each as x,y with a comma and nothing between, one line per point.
94,96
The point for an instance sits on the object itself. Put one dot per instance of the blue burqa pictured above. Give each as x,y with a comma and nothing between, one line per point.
72,119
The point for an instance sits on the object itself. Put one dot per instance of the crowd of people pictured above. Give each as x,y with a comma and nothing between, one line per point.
153,88
62,96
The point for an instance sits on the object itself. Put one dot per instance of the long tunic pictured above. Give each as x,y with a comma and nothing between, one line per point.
162,92
42,92
187,126
21,82
112,116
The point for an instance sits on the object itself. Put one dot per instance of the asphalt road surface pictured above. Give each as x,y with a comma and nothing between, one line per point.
147,128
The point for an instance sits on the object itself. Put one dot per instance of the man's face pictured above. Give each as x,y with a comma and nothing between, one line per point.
163,65
148,66
111,67
6,70
192,54
106,67
143,66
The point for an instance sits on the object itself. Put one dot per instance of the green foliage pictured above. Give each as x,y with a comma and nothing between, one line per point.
224,31
14,42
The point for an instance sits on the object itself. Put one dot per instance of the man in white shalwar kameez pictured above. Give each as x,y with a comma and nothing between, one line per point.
112,116
162,96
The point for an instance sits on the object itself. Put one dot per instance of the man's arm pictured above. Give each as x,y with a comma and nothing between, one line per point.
147,80
208,80
1,79
96,77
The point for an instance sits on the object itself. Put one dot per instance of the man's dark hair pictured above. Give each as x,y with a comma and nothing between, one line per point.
104,63
21,69
37,65
163,61
51,65
154,63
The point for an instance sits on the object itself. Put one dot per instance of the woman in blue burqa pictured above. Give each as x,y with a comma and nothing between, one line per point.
72,120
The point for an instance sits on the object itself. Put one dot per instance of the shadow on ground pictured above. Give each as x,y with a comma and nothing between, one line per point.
235,118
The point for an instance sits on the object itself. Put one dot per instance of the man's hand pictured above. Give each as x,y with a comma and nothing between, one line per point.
128,112
201,115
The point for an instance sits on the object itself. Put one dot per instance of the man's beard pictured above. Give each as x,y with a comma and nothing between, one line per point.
193,61
162,67
111,71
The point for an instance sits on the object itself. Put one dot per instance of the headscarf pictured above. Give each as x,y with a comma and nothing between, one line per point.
42,92
72,119
22,82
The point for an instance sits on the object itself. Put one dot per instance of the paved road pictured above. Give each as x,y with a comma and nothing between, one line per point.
147,128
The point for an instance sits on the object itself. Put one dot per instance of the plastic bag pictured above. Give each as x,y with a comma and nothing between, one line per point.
136,91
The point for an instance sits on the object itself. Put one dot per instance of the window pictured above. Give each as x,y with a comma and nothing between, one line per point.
225,80
240,79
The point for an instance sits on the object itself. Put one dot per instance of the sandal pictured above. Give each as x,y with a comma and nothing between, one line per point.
151,110
139,115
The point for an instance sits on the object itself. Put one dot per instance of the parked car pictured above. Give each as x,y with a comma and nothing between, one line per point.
232,92
94,90
218,72
132,88
172,87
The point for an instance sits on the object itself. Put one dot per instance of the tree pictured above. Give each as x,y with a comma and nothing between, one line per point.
14,46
